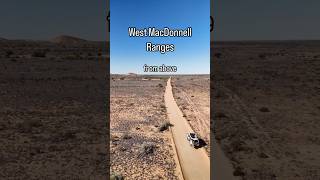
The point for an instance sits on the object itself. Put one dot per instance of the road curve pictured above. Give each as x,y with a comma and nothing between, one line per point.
195,163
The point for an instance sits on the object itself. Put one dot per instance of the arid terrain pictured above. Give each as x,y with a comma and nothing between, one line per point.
266,107
192,94
52,109
141,145
194,161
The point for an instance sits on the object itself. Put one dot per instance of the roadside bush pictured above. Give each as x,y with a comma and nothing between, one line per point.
147,148
164,126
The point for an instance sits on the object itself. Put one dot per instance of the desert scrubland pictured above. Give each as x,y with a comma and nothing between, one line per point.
265,107
52,110
141,145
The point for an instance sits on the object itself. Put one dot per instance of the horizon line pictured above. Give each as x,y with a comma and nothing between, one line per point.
106,40
50,39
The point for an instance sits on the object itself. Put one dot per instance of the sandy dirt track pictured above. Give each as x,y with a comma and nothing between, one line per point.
194,163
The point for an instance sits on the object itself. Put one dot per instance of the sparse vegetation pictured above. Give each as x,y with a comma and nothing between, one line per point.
51,117
262,56
39,53
138,110
217,55
164,126
147,148
270,103
264,109
9,53
238,172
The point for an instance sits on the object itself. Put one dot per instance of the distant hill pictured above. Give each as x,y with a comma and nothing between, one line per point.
3,39
132,74
68,40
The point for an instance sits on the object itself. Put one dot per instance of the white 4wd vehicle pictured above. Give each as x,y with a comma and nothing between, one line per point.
193,139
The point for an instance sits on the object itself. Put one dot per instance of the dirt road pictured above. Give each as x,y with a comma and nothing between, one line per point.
194,163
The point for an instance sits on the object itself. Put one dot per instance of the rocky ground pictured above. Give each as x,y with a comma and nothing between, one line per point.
266,107
52,111
140,145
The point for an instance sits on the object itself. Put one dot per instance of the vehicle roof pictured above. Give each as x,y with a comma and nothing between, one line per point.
193,135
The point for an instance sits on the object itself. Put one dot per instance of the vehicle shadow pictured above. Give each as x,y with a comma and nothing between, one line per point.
202,143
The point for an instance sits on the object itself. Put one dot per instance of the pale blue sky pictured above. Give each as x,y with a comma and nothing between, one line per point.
191,55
